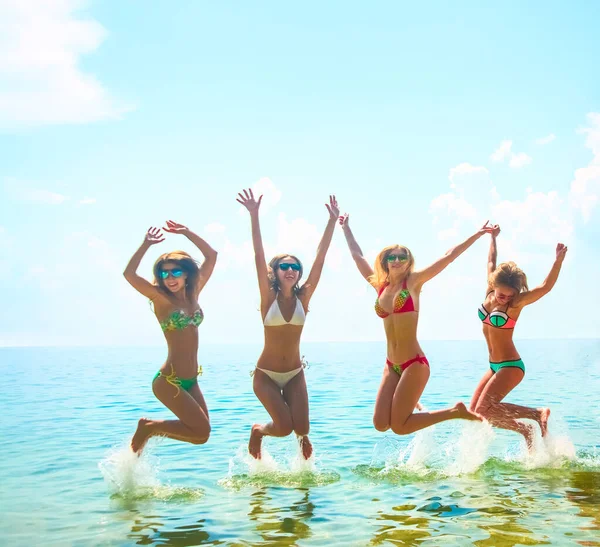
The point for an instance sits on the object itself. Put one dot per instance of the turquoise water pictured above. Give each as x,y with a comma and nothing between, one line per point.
68,479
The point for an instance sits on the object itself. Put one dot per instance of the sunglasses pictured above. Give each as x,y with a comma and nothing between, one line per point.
285,267
176,273
393,258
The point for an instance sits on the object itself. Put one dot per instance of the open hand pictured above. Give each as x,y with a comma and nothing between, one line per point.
334,210
175,228
248,201
154,236
344,220
486,229
561,251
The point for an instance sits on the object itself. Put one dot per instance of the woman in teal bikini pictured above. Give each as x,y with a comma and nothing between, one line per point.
178,281
506,296
406,372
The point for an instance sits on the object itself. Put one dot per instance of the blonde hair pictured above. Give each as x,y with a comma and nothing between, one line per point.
381,272
272,269
510,275
186,263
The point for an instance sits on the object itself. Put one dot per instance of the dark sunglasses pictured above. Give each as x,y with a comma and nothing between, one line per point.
393,258
285,267
176,272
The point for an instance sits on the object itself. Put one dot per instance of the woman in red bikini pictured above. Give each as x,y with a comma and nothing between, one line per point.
506,296
406,372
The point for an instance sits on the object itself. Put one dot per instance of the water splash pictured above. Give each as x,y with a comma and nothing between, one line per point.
469,451
426,459
130,477
292,470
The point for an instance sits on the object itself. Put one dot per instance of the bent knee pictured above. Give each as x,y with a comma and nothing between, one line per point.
399,428
301,430
380,424
201,434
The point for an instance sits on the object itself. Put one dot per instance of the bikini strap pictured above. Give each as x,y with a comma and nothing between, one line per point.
382,289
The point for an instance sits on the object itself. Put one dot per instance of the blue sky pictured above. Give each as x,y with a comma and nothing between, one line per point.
425,120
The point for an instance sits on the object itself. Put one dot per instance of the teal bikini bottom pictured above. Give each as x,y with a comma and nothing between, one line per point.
517,363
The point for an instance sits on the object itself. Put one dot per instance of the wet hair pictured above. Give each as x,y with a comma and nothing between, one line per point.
186,263
272,268
510,275
381,271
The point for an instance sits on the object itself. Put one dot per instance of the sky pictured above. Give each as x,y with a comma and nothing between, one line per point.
424,119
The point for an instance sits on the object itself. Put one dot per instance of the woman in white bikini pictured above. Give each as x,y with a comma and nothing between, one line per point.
279,381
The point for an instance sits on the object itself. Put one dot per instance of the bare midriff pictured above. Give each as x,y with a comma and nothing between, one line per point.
500,344
183,352
282,348
401,334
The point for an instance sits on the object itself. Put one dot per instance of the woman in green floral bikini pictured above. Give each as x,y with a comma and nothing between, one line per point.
178,281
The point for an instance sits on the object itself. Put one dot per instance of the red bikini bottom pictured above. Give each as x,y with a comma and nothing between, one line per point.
401,368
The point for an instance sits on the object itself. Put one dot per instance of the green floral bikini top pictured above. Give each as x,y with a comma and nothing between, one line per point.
180,320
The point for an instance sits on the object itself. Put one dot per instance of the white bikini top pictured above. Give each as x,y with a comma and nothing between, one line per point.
274,317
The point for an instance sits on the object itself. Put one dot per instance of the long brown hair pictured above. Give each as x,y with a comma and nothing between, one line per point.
272,272
381,271
510,275
186,263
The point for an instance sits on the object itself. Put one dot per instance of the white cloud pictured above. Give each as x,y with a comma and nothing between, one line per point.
465,169
546,140
503,151
539,218
270,192
519,160
87,201
592,140
214,228
41,47
585,187
453,204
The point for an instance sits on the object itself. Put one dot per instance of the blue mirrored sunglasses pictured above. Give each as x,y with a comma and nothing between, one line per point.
174,273
285,267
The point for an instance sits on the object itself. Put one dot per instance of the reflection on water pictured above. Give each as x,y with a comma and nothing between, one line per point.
155,530
281,526
584,492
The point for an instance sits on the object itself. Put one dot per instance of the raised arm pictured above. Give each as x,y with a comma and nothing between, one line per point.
493,253
248,201
361,262
531,296
440,265
153,236
317,268
210,255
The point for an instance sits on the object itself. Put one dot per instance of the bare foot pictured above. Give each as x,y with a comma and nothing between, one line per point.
255,442
141,435
466,414
306,447
543,421
528,434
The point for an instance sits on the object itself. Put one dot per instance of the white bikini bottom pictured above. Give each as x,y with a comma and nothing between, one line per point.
281,378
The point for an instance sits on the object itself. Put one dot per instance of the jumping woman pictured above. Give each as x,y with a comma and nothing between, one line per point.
406,372
506,296
279,381
178,281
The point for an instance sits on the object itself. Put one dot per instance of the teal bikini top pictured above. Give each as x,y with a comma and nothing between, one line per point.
179,320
